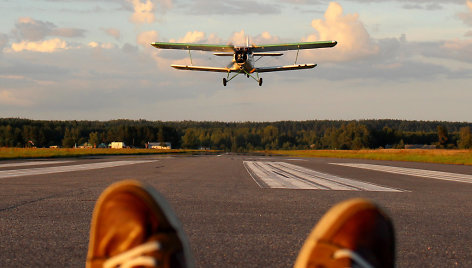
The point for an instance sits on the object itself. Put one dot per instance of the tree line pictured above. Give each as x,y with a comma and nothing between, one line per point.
238,136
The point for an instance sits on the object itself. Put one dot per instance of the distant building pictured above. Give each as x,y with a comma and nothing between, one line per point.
102,145
86,146
159,145
117,145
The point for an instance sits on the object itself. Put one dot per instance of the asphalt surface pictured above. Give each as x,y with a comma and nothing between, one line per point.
229,219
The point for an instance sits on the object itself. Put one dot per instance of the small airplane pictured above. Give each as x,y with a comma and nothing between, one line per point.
244,57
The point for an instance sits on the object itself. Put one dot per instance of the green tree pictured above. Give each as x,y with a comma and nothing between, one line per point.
93,139
68,141
465,138
269,137
442,136
190,139
160,136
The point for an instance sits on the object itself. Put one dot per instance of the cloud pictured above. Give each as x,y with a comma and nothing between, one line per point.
113,32
191,37
432,6
143,11
40,46
3,41
198,37
146,38
354,41
265,38
426,2
29,29
94,44
460,50
68,32
7,98
466,17
239,38
210,7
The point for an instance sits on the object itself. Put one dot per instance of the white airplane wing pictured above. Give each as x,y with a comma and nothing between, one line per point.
284,68
188,46
293,46
204,68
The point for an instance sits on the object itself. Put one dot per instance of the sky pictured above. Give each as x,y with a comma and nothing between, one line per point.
92,60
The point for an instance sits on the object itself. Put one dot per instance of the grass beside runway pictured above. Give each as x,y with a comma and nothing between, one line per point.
18,153
458,157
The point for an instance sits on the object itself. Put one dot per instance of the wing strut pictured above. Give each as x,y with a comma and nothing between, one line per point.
190,54
296,58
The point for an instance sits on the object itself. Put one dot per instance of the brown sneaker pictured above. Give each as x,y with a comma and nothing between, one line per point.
134,226
354,233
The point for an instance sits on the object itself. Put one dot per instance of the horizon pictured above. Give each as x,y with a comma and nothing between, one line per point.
237,122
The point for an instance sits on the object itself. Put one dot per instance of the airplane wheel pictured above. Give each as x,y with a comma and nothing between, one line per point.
260,81
224,81
247,75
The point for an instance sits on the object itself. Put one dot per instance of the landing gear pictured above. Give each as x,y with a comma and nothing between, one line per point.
244,72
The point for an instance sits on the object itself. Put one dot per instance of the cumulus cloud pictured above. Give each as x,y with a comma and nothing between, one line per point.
466,17
191,37
30,29
146,38
143,11
238,38
354,41
197,37
113,32
458,49
94,44
40,46
265,38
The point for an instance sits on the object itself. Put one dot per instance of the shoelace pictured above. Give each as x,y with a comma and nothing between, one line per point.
346,253
134,257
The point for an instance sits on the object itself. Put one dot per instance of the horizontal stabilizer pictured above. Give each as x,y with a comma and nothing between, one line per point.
284,68
203,68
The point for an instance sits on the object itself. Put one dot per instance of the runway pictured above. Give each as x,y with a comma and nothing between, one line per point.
238,211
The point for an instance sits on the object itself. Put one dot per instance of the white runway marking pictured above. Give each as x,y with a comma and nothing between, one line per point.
288,176
296,159
439,175
32,163
59,169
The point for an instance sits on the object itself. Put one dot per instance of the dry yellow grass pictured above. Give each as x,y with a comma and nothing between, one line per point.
13,153
459,157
